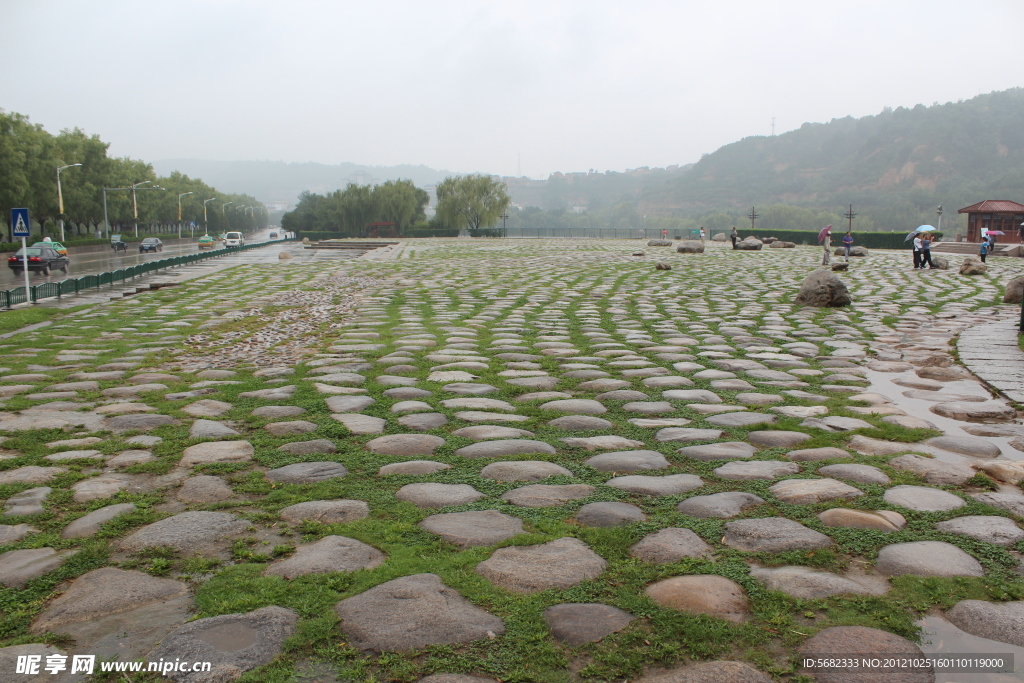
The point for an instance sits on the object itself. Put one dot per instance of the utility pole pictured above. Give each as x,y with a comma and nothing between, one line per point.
753,217
183,194
135,205
504,229
849,216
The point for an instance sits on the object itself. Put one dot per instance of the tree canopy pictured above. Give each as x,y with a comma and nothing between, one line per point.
349,212
30,156
474,202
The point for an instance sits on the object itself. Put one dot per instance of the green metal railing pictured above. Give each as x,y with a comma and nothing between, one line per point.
47,290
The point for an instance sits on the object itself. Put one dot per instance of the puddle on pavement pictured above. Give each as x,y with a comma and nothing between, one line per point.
230,637
938,635
882,383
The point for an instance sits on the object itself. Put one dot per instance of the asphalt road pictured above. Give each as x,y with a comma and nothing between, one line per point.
100,261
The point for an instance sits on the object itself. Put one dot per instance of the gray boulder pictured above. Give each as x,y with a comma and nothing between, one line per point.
823,289
1003,622
690,247
1014,291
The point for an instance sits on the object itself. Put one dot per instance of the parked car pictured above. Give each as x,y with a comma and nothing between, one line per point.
150,244
272,236
234,239
40,260
56,246
207,242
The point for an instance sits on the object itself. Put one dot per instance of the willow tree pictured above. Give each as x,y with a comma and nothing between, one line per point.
472,201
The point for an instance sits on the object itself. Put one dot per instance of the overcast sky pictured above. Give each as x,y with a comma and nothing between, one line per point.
469,85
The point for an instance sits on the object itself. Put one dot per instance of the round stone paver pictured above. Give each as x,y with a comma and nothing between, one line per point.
290,428
18,567
670,545
579,623
668,485
217,451
772,535
609,514
811,491
329,554
776,438
880,520
411,613
326,511
728,450
485,432
862,474
988,528
528,569
471,529
808,584
580,423
750,470
405,444
576,406
628,461
185,531
503,447
926,558
88,525
232,643
431,495
523,470
740,419
547,495
923,499
708,594
814,454
839,642
1002,622
710,672
966,445
307,472
414,467
723,505
309,447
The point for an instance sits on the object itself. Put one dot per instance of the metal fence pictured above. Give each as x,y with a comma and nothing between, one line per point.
48,290
596,233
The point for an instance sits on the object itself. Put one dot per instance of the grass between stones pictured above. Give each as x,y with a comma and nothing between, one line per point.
463,281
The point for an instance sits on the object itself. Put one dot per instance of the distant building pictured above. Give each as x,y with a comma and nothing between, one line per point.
1001,215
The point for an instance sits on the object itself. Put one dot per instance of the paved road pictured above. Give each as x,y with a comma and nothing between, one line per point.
100,261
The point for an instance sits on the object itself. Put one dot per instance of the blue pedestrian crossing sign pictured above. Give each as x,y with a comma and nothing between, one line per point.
20,225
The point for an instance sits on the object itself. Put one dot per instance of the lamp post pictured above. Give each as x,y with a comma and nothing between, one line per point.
60,199
205,202
183,194
106,221
225,210
135,205
939,212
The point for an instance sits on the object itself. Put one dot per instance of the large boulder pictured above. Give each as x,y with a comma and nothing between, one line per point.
750,244
859,251
719,237
972,267
769,240
823,289
690,247
1014,290
782,245
659,243
940,262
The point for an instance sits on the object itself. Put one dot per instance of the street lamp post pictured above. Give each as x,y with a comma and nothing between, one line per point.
135,205
939,212
205,224
183,194
60,199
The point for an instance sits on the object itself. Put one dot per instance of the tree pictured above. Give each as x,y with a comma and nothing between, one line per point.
473,201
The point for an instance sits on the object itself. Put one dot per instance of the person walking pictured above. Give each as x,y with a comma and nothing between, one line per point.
917,250
734,237
926,252
848,244
702,233
826,243
991,242
983,252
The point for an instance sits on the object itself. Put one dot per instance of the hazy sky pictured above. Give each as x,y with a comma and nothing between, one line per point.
468,85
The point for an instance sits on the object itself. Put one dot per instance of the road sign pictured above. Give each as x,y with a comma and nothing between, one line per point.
20,224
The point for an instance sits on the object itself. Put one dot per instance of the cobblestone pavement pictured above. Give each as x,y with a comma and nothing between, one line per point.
517,460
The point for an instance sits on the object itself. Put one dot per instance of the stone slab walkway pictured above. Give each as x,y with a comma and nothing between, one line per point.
992,352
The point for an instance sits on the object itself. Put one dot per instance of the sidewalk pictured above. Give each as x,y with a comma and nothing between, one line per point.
992,353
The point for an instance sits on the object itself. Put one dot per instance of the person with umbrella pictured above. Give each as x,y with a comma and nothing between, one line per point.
825,239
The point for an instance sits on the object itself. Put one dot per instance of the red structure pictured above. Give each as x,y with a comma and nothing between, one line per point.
995,214
381,229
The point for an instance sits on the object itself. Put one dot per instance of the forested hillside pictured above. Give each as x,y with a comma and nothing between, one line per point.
895,167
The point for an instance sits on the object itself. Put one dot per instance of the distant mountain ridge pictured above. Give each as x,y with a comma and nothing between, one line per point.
281,182
894,165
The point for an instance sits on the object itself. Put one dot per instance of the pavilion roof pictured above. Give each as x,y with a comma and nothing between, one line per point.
994,206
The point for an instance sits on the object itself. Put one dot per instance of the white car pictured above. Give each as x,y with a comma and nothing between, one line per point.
234,239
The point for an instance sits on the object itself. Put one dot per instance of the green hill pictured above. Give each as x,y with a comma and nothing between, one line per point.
895,167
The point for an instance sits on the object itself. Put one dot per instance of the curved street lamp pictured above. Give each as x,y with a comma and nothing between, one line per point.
183,194
60,199
205,202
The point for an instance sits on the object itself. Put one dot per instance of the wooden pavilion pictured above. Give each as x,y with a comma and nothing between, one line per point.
995,214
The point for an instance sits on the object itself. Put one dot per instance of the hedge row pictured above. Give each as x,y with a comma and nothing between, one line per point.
432,232
871,240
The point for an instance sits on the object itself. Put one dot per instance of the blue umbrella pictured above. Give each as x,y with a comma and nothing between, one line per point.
925,228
